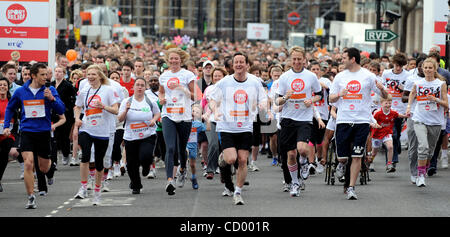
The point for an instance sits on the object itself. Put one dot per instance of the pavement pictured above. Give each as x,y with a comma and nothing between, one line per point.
390,195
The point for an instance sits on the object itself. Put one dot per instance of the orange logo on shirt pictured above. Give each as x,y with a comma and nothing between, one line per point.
298,85
173,82
354,86
240,97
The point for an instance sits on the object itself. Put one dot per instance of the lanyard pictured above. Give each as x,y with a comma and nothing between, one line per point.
87,96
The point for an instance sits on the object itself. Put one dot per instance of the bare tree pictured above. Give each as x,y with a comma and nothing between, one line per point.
407,7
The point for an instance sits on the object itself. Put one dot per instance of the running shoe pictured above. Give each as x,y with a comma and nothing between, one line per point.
170,188
413,179
431,171
151,174
302,186
65,160
304,171
274,161
42,193
351,195
82,193
237,198
116,170
444,162
340,170
390,168
420,181
312,169
253,167
22,175
96,199
122,170
51,181
217,171
136,191
90,184
286,187
181,179
210,176
372,167
74,162
31,204
227,193
105,186
320,168
295,190
110,175
194,183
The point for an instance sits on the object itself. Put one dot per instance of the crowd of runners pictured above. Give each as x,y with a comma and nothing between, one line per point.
128,109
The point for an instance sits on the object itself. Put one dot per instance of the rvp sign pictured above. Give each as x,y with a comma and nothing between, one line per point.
380,36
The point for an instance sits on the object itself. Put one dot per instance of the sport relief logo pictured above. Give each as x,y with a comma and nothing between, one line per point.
298,85
240,97
354,87
173,82
16,14
93,99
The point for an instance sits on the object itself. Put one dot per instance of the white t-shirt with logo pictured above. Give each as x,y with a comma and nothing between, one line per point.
97,122
410,81
426,111
322,105
393,82
238,103
178,104
355,106
304,84
137,125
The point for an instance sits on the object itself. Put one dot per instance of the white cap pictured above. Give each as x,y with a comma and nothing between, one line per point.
208,62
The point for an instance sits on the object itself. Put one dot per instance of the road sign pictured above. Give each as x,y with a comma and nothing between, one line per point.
380,36
294,18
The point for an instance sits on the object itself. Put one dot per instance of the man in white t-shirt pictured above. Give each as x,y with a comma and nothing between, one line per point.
295,90
234,102
351,93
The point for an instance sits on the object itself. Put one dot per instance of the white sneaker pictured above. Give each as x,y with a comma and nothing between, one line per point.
105,186
217,170
286,187
420,181
304,170
151,174
227,193
74,162
31,204
254,167
22,176
413,179
351,195
82,193
116,170
65,160
237,198
340,170
295,190
110,175
96,199
320,168
444,162
181,179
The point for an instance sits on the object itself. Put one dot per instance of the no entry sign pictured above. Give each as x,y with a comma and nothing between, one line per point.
294,18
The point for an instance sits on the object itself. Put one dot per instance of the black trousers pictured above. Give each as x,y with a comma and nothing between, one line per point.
5,147
117,152
62,134
139,152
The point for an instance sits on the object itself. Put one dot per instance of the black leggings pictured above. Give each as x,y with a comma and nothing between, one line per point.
5,147
85,141
139,152
62,134
117,152
176,136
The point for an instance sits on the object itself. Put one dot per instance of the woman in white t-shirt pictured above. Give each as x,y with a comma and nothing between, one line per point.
140,115
99,105
431,96
176,91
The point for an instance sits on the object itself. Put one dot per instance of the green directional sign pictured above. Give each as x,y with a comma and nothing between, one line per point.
380,36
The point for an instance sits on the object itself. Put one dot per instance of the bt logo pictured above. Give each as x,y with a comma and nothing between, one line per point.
17,44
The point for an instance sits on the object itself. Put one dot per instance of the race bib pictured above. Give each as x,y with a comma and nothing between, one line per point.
94,117
352,102
175,105
425,104
34,108
139,130
193,136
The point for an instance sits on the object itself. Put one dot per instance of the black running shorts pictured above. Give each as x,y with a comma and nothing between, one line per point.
351,139
240,141
36,142
293,132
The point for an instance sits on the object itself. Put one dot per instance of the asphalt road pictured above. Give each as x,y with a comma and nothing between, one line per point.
386,195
